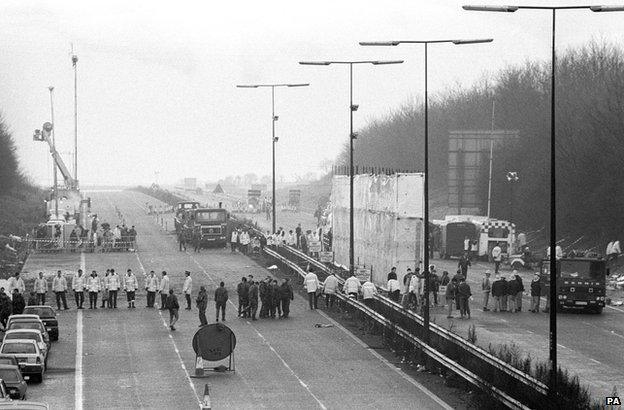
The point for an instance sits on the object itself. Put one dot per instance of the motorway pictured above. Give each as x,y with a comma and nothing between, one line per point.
128,358
590,346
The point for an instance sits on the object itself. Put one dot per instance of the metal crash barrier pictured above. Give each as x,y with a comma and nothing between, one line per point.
60,246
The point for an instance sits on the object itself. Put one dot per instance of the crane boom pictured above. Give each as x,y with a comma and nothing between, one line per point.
44,135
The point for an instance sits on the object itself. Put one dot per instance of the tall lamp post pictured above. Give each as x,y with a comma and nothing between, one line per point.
553,203
352,136
274,118
55,172
426,149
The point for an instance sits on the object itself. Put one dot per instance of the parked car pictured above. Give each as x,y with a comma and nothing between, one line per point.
23,405
29,356
8,359
4,392
21,316
48,317
36,324
33,334
15,383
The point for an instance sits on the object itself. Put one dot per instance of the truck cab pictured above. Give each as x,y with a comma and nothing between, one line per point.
182,212
210,226
581,283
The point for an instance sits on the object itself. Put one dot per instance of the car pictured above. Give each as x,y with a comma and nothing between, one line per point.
21,317
29,356
4,392
48,317
23,405
36,324
15,383
8,359
33,334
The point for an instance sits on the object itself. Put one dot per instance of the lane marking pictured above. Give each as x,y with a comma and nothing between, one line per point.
78,379
595,361
561,346
385,361
173,342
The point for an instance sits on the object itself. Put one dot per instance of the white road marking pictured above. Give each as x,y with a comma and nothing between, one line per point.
615,308
595,361
561,346
78,380
400,372
175,346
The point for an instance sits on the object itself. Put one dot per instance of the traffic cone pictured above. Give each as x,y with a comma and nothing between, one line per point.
199,366
206,403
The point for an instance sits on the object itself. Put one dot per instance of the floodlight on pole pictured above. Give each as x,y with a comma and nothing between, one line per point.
352,136
274,139
426,247
552,340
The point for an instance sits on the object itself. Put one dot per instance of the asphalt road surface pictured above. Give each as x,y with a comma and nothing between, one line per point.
128,358
589,345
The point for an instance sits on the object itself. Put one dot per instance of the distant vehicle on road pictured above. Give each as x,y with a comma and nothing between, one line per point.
183,212
581,283
15,383
30,358
211,226
48,317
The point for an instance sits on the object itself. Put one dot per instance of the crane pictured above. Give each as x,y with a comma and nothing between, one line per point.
44,135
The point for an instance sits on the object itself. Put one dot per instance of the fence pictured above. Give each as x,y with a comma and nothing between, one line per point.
61,246
367,169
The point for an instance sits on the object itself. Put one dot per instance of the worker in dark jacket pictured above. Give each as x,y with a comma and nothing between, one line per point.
6,308
243,291
275,299
463,264
18,302
392,274
221,297
513,287
519,289
505,287
286,295
463,295
498,290
535,293
253,299
202,304
263,290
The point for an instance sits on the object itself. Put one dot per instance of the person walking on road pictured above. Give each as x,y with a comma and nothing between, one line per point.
18,302
444,281
352,286
253,299
104,288
311,284
275,300
114,283
78,285
93,286
16,282
463,297
173,306
505,296
451,291
221,298
202,304
242,290
535,293
41,288
164,290
498,289
6,307
497,257
330,287
519,289
131,284
151,287
407,279
369,290
187,289
233,240
286,295
434,284
59,287
394,289
486,288
463,264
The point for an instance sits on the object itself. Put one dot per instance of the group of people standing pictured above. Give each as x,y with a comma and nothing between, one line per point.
274,298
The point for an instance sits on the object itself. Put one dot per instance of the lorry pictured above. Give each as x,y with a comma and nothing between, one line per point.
483,233
210,226
183,211
581,283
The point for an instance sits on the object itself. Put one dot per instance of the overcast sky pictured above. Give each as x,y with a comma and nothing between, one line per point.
157,79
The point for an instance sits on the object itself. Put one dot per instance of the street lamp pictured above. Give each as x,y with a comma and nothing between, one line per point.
426,149
352,136
512,178
274,118
553,203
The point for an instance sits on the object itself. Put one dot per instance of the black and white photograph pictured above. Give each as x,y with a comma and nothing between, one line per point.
311,205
